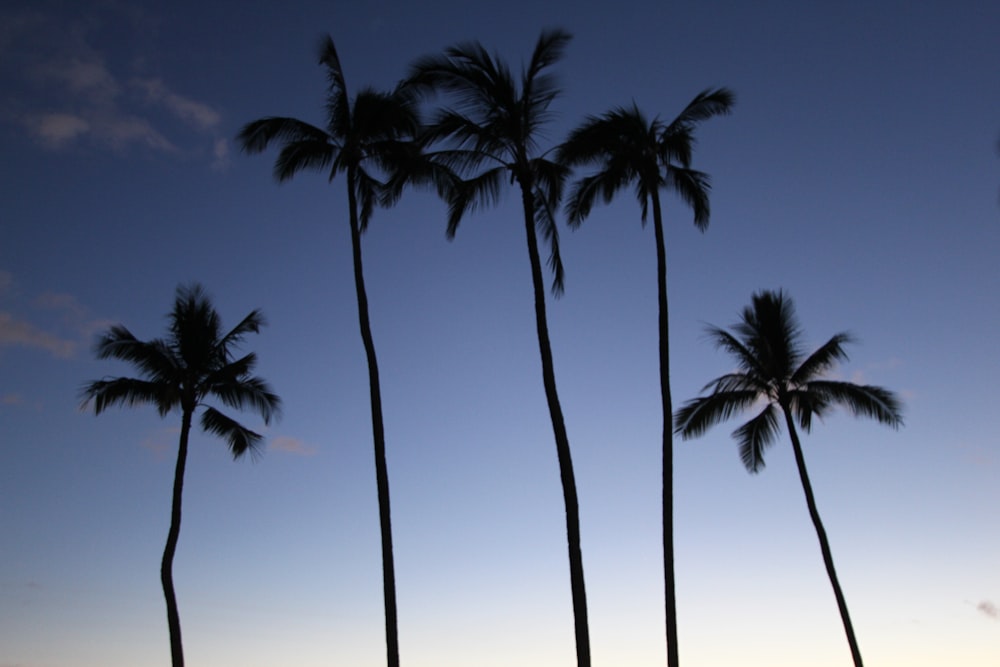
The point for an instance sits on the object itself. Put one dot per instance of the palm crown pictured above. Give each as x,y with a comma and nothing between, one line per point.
649,154
194,362
773,368
493,128
369,138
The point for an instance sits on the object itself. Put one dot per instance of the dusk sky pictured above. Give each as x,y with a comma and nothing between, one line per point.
859,171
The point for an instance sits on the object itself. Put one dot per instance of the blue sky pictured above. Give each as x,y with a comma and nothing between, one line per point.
859,171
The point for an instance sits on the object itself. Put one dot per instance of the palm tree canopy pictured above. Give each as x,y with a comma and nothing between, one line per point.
773,368
370,137
194,362
629,148
493,130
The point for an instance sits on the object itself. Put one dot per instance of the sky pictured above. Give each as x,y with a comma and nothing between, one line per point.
859,171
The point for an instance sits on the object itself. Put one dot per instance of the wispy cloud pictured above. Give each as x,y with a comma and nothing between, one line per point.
989,609
24,334
70,93
289,445
54,323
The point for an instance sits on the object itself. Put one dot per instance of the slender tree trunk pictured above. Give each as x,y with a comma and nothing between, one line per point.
669,582
824,544
378,433
167,564
562,440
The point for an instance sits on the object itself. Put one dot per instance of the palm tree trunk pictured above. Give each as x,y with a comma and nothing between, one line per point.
824,544
378,433
669,582
562,439
167,564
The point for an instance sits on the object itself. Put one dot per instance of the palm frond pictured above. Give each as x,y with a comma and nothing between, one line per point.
252,323
699,414
241,392
705,105
693,188
745,357
755,436
154,358
862,400
257,136
239,438
128,392
470,194
823,359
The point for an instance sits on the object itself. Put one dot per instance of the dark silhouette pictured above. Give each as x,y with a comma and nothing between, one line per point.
193,363
648,155
373,130
492,132
767,347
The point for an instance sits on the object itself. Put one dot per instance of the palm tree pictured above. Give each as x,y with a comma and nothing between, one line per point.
364,137
193,363
493,131
772,369
652,155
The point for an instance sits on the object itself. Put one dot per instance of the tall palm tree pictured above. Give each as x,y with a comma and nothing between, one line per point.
492,132
649,155
368,139
193,363
773,370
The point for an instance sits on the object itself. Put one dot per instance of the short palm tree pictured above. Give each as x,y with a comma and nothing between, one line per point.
491,135
649,155
193,363
773,370
368,139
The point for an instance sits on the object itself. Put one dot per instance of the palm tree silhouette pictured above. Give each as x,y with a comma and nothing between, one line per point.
767,347
193,363
371,131
492,132
649,155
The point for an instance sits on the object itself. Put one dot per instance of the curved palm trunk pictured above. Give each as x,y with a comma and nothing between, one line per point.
378,433
824,544
669,582
167,564
561,438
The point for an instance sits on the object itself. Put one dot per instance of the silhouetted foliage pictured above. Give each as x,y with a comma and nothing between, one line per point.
773,369
195,362
630,150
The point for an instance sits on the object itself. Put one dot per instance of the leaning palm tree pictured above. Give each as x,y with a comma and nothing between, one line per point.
193,363
649,155
492,134
773,370
368,138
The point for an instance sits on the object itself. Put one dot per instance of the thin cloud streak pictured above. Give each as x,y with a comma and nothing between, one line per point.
289,445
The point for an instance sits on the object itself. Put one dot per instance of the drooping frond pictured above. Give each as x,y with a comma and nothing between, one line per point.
876,403
239,438
745,357
153,358
549,179
693,188
252,323
755,436
699,414
257,136
127,392
468,195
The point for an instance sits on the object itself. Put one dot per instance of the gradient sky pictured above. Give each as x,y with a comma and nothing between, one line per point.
859,171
